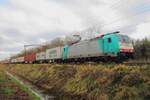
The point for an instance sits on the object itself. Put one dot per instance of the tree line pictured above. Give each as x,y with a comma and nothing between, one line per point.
142,49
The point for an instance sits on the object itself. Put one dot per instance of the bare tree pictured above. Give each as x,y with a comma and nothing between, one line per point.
90,32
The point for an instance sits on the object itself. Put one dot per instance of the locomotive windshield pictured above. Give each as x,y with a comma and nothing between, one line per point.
124,39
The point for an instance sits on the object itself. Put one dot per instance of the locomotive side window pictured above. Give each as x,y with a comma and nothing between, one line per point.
109,40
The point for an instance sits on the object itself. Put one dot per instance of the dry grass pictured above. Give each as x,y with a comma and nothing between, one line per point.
90,82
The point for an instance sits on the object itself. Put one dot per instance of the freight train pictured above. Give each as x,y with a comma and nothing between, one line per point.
106,47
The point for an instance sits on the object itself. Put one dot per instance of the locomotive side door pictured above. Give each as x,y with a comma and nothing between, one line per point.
110,44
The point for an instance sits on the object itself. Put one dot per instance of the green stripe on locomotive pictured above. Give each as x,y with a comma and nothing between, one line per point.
110,44
100,43
65,52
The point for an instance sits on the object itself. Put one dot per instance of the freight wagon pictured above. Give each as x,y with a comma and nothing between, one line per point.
30,57
20,59
17,60
41,57
13,60
54,54
6,61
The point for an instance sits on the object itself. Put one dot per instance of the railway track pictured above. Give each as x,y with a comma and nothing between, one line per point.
95,63
136,63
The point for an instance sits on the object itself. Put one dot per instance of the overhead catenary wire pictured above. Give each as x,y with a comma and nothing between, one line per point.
119,19
134,15
115,4
147,9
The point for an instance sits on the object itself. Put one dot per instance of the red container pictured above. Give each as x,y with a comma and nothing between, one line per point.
30,57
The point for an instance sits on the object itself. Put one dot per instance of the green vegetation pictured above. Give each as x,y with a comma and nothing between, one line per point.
7,91
89,82
11,89
26,89
142,49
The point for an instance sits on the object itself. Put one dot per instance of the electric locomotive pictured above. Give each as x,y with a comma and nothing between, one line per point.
109,46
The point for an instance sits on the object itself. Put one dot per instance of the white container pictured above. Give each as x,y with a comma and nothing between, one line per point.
20,59
41,56
54,53
14,60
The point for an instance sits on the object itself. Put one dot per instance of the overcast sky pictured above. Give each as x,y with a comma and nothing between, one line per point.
36,21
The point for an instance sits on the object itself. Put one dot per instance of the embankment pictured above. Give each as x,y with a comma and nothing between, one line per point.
88,82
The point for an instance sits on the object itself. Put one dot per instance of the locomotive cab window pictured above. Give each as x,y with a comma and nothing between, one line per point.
109,40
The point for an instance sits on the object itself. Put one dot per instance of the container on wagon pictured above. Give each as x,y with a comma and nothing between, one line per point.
30,57
13,60
40,56
54,53
20,59
6,61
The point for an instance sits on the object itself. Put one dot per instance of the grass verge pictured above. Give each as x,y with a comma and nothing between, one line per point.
25,89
